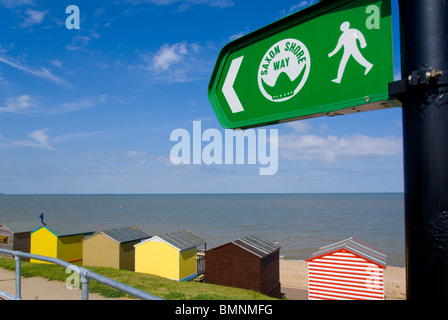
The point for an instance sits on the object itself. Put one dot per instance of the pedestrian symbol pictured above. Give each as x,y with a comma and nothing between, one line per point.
349,41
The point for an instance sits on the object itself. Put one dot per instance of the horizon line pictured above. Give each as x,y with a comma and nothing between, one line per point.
200,193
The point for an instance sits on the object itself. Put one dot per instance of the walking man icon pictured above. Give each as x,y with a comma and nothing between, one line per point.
348,40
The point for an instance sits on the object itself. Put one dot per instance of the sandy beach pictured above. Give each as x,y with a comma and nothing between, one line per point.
293,278
294,274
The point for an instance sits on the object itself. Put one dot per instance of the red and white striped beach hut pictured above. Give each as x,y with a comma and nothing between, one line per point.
347,270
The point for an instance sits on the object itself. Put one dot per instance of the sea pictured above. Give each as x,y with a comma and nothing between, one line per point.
298,223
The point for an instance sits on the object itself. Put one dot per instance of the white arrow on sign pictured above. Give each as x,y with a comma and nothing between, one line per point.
229,93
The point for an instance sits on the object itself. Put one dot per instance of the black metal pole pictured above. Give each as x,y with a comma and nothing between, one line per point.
424,36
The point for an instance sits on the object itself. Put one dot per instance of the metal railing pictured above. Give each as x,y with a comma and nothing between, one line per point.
85,275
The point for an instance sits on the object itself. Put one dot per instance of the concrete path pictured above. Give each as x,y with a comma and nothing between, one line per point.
37,288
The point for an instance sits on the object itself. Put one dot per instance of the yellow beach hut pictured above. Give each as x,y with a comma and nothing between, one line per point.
60,240
170,255
112,248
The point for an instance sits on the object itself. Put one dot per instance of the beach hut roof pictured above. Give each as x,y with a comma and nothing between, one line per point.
181,240
125,234
21,226
67,229
356,247
256,245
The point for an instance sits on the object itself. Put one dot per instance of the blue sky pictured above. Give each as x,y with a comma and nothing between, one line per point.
92,110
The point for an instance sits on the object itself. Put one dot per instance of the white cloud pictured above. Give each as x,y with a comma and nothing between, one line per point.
25,104
39,139
33,17
183,5
186,3
43,73
299,126
331,149
80,42
169,55
74,136
3,80
16,3
56,63
297,7
301,5
238,35
221,3
40,136
178,62
136,154
140,157
82,103
20,104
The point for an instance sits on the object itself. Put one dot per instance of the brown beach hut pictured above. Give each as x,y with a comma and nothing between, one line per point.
15,235
112,248
250,263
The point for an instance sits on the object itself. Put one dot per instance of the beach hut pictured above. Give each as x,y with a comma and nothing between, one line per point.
15,235
250,263
60,240
170,255
347,270
112,248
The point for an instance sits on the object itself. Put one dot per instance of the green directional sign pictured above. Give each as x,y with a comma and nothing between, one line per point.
329,59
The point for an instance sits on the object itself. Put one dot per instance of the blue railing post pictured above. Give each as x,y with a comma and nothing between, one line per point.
84,287
18,276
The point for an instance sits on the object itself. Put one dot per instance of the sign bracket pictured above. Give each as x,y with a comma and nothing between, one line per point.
423,76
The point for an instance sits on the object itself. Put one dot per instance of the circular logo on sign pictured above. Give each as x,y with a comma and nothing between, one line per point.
284,70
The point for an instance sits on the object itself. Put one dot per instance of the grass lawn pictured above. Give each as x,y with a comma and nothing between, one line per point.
158,286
